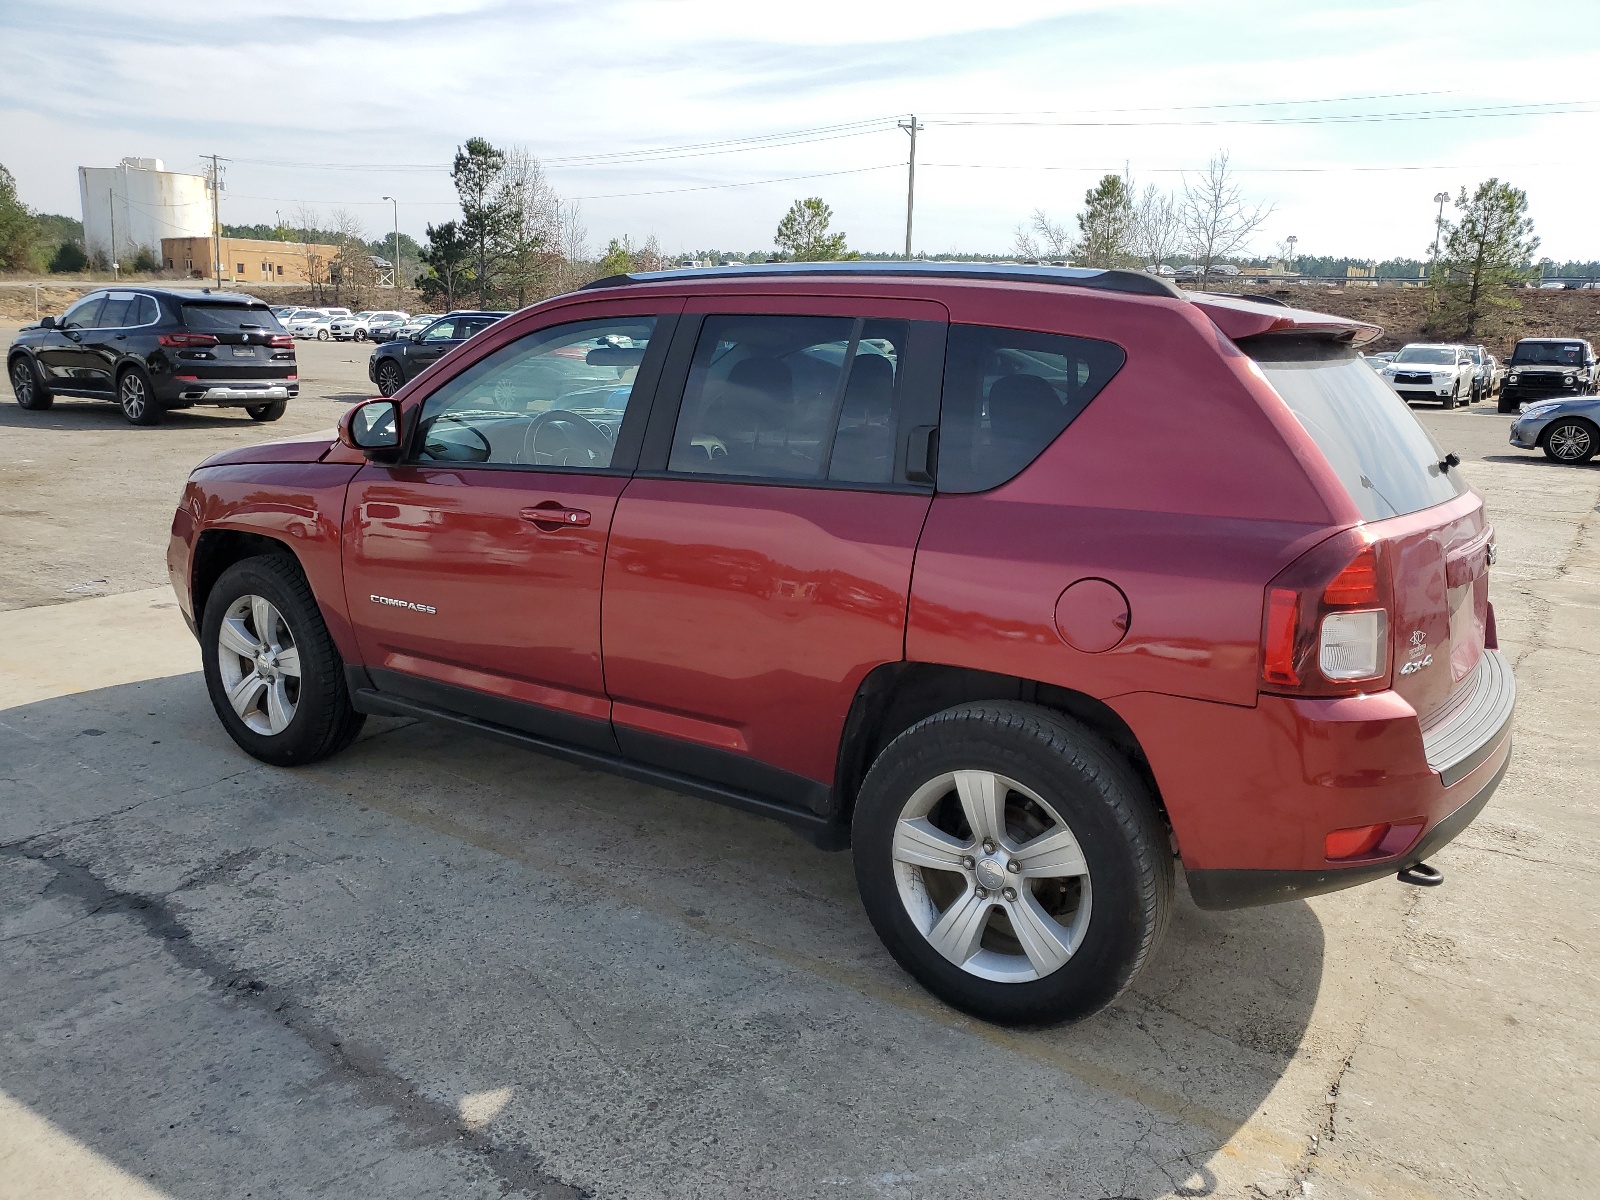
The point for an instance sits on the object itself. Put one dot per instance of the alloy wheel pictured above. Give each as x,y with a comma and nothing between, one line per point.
991,876
133,396
22,382
1570,443
259,663
389,379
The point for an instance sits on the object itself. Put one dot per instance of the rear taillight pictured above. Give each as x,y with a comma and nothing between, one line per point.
1325,630
188,340
281,341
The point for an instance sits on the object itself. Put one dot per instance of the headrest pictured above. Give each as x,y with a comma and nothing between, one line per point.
870,390
1024,407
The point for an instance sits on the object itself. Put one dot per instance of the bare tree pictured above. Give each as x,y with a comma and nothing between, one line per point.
351,270
1157,227
575,267
534,252
1042,238
1217,220
316,264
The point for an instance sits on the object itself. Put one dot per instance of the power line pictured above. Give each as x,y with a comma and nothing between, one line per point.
744,183
1118,169
1553,108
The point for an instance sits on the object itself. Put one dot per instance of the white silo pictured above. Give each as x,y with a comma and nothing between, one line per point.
137,203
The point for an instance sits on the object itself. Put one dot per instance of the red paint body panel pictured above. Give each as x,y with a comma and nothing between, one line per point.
306,448
299,504
1259,788
745,616
517,608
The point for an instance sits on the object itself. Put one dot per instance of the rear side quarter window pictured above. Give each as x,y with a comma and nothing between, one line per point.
1009,393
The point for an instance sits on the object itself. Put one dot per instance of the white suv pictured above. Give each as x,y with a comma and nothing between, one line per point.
357,327
1426,371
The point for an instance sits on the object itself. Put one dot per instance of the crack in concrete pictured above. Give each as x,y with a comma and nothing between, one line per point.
428,1122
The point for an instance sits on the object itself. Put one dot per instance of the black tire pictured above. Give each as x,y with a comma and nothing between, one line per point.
269,411
390,377
1450,400
1097,795
323,722
1507,406
1571,441
361,335
136,398
26,385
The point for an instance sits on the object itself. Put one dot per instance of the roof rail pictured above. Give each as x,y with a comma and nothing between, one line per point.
1134,282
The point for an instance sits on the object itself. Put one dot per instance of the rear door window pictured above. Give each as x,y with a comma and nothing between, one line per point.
117,312
790,397
230,318
1386,460
1009,393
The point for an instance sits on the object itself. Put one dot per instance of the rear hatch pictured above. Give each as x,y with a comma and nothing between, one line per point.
251,345
1429,525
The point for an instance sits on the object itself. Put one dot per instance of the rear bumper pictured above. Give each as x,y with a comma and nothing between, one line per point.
172,390
1252,793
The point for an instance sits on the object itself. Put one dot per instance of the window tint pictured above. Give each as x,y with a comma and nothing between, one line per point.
1008,394
472,326
117,312
790,397
1547,354
230,318
1377,447
149,311
554,398
82,314
442,331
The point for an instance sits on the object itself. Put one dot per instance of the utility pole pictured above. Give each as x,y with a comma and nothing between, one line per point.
111,209
911,127
1441,199
396,268
216,214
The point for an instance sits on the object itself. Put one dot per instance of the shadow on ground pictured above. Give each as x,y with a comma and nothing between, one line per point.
461,968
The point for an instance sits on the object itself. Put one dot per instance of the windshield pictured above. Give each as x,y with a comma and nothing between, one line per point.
229,318
1381,453
1432,355
1547,354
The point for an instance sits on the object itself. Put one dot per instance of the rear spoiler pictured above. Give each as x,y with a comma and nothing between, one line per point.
1239,318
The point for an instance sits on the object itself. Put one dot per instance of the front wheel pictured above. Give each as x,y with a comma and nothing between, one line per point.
31,394
269,411
322,335
1573,441
135,399
1012,862
275,678
390,378
1507,406
361,335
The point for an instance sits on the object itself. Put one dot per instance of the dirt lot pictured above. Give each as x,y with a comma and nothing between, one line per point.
435,966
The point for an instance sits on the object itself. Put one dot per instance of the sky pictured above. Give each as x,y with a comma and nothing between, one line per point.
700,121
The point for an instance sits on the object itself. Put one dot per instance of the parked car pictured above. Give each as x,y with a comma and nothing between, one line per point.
1431,371
284,311
1567,430
413,324
358,326
304,322
382,331
335,313
874,563
152,349
1547,368
397,362
1380,360
1485,374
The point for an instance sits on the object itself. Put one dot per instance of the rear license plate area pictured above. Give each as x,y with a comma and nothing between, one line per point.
244,351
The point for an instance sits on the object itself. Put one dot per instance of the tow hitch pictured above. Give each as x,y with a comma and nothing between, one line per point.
1421,875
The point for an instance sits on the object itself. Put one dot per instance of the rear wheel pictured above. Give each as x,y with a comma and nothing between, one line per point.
30,392
322,335
135,398
270,411
1012,862
1572,441
361,335
275,678
390,378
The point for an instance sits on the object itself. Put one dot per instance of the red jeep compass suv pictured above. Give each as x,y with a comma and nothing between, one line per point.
1021,582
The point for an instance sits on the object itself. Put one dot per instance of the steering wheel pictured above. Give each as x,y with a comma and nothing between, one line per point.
583,436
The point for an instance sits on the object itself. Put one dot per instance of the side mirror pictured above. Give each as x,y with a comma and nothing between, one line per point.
372,427
47,322
417,338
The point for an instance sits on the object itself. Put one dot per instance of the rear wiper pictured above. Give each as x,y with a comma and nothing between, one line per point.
1449,460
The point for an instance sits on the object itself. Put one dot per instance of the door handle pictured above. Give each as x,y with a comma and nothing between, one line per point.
551,516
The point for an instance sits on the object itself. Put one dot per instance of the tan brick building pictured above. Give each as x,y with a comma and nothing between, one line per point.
249,260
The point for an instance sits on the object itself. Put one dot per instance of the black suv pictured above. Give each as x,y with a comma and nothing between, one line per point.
1547,369
395,364
151,349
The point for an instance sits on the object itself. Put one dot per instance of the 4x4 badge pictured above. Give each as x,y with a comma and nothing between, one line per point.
1417,657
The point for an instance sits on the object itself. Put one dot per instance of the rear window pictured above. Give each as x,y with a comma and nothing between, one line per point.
229,318
1384,457
1008,394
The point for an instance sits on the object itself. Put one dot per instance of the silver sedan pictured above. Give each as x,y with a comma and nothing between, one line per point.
1568,431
